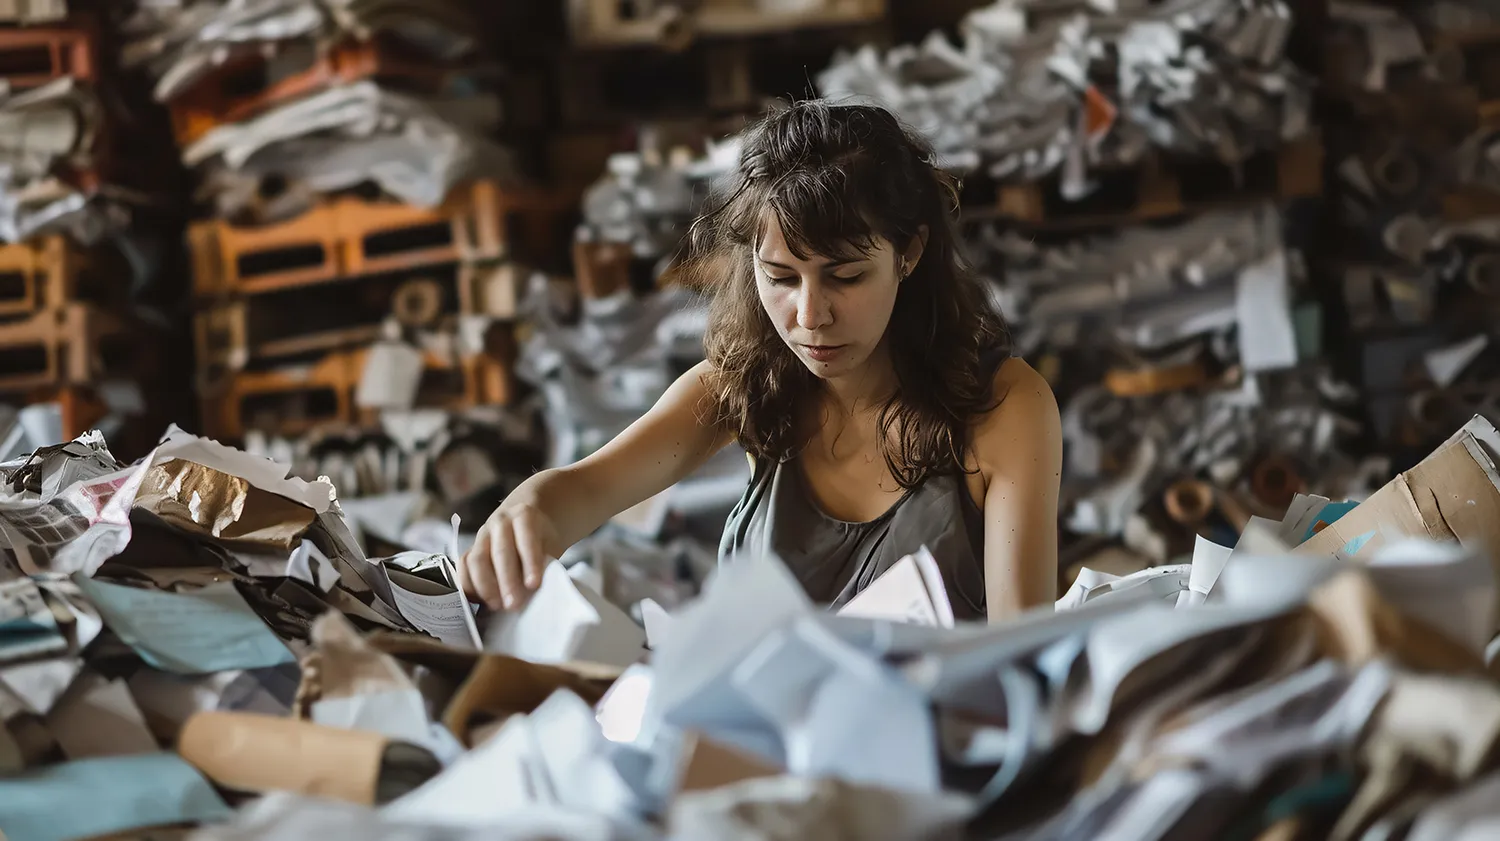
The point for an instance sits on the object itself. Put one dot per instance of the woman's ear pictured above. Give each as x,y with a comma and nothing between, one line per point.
914,249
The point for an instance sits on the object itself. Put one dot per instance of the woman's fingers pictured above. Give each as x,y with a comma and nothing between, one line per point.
506,561
478,568
529,543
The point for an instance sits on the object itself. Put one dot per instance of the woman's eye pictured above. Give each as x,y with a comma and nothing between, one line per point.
850,280
782,281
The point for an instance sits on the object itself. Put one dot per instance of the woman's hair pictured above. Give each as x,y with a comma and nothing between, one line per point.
836,178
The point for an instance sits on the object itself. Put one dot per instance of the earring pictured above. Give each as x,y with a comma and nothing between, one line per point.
905,270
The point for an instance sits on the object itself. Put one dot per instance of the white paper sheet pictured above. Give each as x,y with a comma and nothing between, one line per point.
566,620
391,377
911,590
1267,336
1209,560
41,683
310,565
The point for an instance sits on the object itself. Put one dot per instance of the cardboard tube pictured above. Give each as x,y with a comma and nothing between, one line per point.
1275,481
1189,501
1123,382
262,753
1397,172
417,303
1406,236
1483,274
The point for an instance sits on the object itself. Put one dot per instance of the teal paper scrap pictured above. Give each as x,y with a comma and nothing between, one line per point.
208,630
92,797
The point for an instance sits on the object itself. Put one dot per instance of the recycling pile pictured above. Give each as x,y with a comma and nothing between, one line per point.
1416,217
197,643
1035,83
349,91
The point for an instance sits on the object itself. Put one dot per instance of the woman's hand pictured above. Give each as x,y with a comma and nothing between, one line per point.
504,566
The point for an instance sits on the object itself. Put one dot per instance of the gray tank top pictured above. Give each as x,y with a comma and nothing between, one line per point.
835,560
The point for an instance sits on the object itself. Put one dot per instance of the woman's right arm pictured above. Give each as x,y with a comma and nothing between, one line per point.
556,508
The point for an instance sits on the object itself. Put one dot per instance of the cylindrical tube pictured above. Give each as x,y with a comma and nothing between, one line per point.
1483,274
1275,481
1189,501
1406,236
262,753
417,303
1397,172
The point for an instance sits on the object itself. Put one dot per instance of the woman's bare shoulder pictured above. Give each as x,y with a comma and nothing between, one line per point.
1025,415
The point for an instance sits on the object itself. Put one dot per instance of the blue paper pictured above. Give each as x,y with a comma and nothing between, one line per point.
211,629
1329,514
104,796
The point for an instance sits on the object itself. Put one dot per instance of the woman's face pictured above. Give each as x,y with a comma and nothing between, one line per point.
831,313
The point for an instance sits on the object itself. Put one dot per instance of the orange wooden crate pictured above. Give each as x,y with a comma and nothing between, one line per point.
33,56
37,274
238,91
346,236
322,393
58,346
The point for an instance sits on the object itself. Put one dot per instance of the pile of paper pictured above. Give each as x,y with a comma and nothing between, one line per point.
1414,186
648,199
195,645
1187,359
1035,83
415,138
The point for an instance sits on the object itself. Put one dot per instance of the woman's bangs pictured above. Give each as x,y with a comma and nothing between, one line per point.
816,218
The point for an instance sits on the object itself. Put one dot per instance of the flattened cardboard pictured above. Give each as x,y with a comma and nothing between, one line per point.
1453,494
707,764
494,684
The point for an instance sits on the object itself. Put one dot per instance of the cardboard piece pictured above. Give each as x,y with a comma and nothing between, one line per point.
706,764
1452,495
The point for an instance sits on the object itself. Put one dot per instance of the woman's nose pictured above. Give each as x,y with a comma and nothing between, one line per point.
813,307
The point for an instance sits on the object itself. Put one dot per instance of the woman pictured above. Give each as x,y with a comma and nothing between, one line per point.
858,361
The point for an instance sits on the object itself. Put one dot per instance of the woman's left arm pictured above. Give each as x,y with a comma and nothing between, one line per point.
1019,450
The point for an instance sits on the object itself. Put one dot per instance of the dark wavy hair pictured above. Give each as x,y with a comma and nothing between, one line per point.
837,177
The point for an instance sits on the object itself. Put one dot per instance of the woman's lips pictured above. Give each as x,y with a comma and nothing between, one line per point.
822,353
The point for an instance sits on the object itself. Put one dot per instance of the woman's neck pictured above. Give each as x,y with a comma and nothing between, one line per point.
863,389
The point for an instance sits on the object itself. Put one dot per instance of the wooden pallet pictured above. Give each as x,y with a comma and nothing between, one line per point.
295,400
46,272
292,325
34,56
252,83
298,322
343,237
71,344
1158,188
609,23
